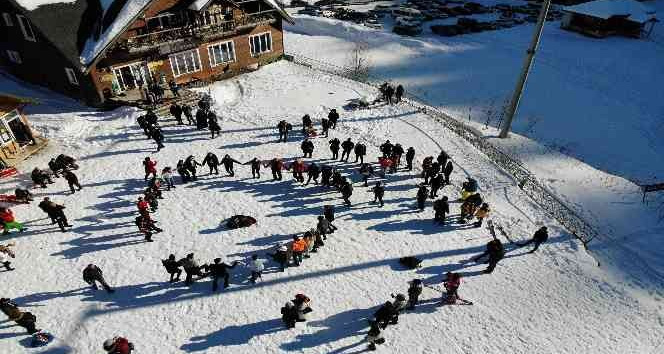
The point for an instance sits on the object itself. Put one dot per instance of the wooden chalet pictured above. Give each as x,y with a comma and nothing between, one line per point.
93,50
602,18
17,139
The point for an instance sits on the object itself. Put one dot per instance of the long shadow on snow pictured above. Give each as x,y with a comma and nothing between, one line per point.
233,335
333,328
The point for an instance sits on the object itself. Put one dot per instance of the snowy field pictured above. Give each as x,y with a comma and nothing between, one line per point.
580,91
590,122
553,301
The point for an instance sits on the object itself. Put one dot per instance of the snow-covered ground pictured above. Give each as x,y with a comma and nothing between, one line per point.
580,91
553,301
589,124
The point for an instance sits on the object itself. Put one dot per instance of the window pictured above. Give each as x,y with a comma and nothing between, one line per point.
260,43
8,19
71,75
221,53
25,28
185,62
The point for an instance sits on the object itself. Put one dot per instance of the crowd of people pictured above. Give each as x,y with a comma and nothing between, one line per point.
435,175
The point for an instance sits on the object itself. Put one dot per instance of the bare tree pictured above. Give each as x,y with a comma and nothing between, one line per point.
358,61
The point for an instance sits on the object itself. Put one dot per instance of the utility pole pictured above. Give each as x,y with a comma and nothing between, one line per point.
527,64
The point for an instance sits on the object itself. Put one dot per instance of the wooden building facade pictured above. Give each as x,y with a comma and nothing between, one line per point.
103,52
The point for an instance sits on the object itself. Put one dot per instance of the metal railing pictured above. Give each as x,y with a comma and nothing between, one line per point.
530,185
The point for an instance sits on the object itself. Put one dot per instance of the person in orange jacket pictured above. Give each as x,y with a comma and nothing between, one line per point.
9,222
299,246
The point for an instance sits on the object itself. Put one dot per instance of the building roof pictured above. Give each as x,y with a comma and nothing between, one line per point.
83,29
34,4
9,103
604,9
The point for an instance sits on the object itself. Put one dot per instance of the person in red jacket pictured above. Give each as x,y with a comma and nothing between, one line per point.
118,345
150,168
8,221
143,206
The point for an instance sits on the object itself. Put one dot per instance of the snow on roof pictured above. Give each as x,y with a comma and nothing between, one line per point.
31,5
605,9
278,7
198,5
94,47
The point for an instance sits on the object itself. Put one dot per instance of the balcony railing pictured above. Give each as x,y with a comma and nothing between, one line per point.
191,32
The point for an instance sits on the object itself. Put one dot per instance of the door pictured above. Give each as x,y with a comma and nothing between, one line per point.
18,129
131,76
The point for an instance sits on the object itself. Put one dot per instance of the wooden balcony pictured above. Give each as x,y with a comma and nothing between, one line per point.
188,36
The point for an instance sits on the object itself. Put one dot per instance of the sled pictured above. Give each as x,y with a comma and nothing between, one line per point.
8,172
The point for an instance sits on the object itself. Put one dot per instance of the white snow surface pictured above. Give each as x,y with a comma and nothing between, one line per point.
553,301
589,120
605,9
34,4
93,47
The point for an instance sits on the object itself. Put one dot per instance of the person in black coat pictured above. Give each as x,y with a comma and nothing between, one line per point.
176,111
389,92
326,174
436,183
334,147
346,192
213,123
172,267
212,161
289,315
410,156
333,116
414,292
255,167
306,123
540,236
276,165
201,119
183,172
186,110
386,149
313,171
220,270
228,162
397,152
92,274
55,212
441,207
283,127
448,171
158,138
379,192
347,147
422,194
72,180
360,151
190,164
150,117
398,93
307,147
325,125
495,251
